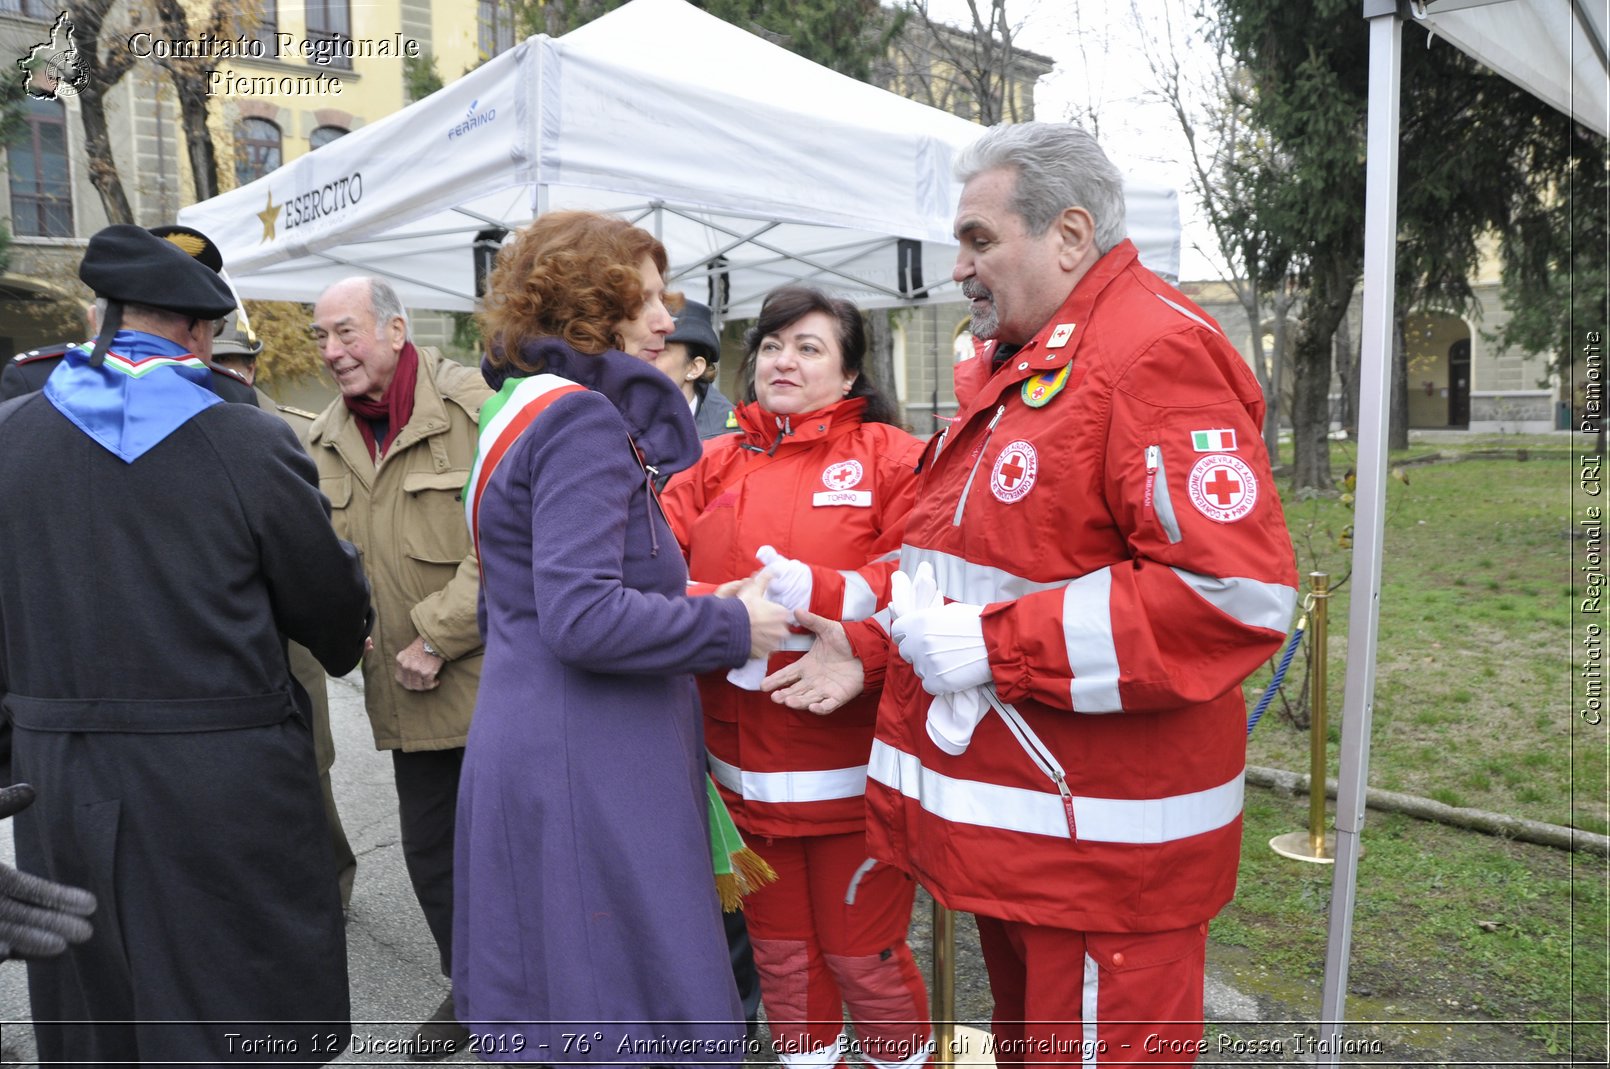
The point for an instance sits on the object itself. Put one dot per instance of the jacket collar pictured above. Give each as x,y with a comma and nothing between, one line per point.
656,412
765,432
335,427
1057,341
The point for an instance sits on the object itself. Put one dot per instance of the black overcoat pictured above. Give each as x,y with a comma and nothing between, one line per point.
144,610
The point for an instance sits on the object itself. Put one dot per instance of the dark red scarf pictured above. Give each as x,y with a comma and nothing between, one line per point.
395,407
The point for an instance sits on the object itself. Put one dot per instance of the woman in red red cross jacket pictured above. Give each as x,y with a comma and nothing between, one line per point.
816,485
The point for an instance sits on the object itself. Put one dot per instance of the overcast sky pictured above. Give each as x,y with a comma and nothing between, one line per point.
1100,67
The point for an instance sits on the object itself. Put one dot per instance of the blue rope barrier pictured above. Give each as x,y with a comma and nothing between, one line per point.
1279,677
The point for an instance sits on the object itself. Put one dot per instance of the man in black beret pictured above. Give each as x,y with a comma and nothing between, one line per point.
157,549
27,372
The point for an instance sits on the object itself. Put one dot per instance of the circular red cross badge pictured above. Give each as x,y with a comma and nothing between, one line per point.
1014,472
843,475
1222,487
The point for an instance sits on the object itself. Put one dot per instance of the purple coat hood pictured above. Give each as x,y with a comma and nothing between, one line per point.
656,413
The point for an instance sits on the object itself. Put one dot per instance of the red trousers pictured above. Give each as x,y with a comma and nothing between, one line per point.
1094,998
830,934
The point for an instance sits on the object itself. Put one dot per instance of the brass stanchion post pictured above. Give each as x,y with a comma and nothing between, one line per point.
1313,845
942,992
1318,733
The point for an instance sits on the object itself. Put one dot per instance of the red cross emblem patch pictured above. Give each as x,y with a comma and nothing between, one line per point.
1222,487
843,475
1014,472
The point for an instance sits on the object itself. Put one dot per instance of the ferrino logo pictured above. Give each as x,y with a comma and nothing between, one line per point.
472,121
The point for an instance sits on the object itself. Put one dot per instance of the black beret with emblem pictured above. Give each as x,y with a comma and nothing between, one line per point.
193,242
131,265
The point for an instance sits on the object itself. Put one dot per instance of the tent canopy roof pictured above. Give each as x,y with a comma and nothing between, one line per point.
1554,49
753,165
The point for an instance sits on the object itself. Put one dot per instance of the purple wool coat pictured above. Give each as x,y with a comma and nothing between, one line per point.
586,923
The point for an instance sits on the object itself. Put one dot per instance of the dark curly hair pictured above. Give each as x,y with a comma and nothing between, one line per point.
785,306
569,275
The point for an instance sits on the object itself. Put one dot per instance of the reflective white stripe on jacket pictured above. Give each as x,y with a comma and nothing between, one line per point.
801,785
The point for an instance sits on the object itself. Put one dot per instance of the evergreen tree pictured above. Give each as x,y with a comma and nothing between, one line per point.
1477,154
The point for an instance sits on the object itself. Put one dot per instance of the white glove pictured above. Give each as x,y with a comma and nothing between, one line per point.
908,595
953,717
749,675
788,582
945,646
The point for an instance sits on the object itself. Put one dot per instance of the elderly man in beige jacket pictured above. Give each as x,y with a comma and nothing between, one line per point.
394,452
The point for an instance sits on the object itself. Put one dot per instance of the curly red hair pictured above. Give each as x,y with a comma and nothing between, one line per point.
569,275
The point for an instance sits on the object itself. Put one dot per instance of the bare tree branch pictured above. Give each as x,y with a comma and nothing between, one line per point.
101,74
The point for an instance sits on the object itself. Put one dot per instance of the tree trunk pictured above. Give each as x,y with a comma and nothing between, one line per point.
1310,407
98,147
880,357
1500,824
1347,370
189,77
192,93
99,78
1330,290
1279,360
1397,433
1252,303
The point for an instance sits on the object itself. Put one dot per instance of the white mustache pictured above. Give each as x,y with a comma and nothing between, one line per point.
974,290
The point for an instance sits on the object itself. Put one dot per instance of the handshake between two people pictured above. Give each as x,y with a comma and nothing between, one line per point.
774,597
943,642
38,918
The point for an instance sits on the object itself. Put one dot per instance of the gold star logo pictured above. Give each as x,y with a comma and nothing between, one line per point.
270,217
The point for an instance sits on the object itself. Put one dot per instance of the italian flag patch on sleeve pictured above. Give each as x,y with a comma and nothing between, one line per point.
1221,440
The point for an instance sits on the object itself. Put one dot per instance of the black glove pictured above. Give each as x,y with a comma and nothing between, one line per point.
38,918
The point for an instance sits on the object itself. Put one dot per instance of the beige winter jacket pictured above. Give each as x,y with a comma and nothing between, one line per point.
407,518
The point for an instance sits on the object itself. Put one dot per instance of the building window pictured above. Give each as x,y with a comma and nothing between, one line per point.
494,24
41,191
329,22
33,9
257,149
323,135
267,28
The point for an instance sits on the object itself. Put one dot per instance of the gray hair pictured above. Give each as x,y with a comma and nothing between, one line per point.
385,304
1058,166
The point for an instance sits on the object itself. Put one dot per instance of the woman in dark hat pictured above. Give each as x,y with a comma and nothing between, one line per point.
690,356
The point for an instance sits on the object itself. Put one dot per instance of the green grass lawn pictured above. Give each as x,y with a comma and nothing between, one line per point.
1478,685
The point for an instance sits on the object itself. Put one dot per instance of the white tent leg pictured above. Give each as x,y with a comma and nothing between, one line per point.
1375,383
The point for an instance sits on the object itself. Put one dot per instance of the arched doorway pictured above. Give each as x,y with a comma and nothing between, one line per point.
1437,346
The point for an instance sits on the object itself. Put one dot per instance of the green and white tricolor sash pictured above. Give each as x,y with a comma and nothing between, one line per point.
505,417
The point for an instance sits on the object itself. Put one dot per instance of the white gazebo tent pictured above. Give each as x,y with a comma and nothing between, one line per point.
754,165
1555,49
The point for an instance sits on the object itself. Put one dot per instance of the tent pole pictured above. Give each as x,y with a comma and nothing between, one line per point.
1375,383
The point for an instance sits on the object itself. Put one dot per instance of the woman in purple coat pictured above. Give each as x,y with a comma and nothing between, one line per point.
586,924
